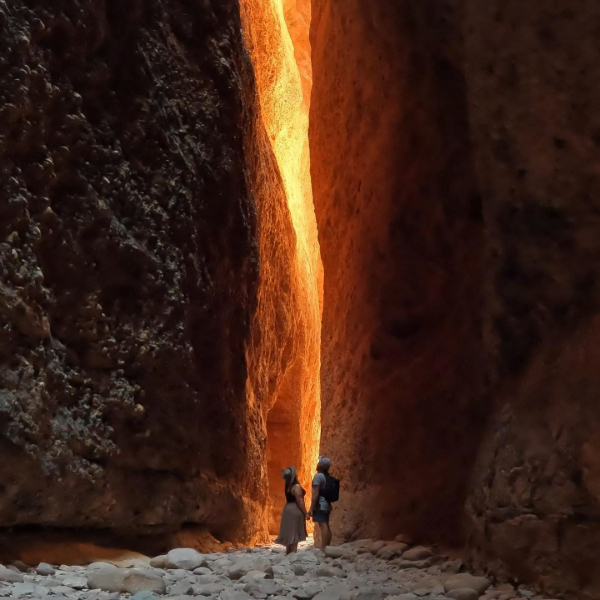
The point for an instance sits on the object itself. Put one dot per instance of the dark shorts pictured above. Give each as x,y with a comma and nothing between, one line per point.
320,516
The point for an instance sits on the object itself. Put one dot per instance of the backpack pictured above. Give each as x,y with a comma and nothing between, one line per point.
331,489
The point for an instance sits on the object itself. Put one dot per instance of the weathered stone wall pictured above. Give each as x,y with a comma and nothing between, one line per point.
533,72
401,237
402,234
129,267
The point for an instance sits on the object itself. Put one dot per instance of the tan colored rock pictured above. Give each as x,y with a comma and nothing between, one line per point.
417,553
335,552
159,562
392,550
462,594
466,580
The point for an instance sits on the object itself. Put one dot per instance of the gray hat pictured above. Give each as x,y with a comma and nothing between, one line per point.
324,462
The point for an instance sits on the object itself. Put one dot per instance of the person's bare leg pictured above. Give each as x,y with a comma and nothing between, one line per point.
325,535
288,549
317,536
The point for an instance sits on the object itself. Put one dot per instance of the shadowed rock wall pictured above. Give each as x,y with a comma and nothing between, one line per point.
533,71
129,266
401,237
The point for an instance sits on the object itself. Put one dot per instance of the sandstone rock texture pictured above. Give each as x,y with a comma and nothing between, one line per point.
453,297
290,296
130,261
533,71
401,234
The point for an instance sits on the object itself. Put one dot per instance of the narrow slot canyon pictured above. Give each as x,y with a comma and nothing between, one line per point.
236,235
276,33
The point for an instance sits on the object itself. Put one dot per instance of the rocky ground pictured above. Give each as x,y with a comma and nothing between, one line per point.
361,570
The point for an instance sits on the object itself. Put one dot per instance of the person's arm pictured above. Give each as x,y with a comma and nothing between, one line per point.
316,492
297,492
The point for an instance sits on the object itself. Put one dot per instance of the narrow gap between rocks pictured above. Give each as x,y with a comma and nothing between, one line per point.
277,36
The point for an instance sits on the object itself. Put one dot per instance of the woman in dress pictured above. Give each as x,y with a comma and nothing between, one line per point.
292,529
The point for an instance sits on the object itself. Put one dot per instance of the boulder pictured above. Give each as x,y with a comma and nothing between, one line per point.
107,577
335,552
9,575
159,562
466,580
45,569
462,594
21,590
185,558
393,550
417,553
375,547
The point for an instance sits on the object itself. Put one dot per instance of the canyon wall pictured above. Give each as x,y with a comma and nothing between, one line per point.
460,329
533,72
134,170
401,234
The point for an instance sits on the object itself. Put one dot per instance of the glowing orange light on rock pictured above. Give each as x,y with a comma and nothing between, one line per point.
277,33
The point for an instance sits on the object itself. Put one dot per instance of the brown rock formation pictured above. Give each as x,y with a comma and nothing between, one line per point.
402,235
533,73
129,267
400,230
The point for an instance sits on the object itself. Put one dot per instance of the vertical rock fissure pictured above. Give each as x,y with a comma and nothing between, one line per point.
290,294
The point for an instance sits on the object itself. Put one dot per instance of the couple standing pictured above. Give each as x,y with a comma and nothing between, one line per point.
325,490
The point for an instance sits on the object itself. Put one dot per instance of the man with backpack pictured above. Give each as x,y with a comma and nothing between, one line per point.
325,490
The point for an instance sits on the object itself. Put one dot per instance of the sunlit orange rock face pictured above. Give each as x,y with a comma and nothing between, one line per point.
401,239
287,327
534,510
